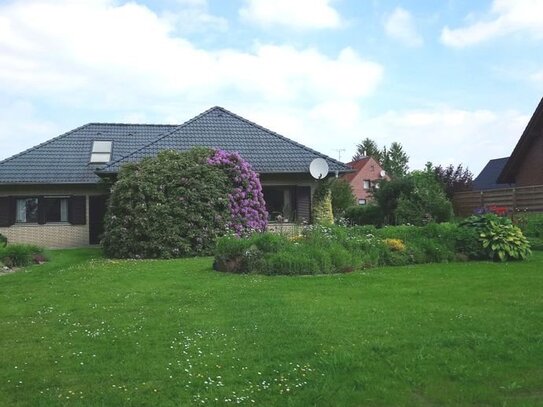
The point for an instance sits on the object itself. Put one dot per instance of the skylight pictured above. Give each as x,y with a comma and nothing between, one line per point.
101,151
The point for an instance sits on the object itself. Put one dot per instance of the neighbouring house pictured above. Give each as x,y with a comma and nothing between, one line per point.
514,183
488,177
366,175
52,194
525,165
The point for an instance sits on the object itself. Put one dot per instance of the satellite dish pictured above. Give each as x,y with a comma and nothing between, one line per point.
318,168
383,173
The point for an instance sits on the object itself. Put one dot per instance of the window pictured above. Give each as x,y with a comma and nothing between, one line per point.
280,203
361,202
56,209
27,210
101,151
367,184
38,210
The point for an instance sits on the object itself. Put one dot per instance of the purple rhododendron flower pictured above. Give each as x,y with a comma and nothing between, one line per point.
246,201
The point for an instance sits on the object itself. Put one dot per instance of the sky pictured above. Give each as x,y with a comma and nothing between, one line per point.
452,81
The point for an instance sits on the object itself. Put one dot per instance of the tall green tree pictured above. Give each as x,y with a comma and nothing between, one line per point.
393,159
367,148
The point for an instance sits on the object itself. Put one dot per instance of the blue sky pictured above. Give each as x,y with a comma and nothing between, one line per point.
453,81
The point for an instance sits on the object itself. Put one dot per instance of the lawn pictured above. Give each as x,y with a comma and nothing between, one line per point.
82,330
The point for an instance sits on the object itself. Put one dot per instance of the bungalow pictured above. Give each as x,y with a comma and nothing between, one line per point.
52,194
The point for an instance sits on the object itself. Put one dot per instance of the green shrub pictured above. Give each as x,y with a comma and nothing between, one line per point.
536,243
20,255
342,196
177,203
531,224
365,215
322,204
292,263
505,242
3,240
169,206
499,238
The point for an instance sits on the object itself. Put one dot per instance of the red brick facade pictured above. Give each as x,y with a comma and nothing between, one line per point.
367,173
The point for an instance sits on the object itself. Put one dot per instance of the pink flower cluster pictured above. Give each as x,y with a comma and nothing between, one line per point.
246,201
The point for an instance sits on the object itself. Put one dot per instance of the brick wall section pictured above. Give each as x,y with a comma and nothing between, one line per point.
531,169
52,235
371,171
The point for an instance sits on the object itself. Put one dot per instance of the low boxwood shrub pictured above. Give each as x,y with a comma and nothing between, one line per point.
21,255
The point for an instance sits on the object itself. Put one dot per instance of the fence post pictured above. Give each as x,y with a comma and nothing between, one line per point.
514,200
482,200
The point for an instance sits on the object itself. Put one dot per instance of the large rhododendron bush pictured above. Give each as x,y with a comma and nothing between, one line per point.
178,203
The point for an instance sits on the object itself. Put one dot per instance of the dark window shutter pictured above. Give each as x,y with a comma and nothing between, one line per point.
303,204
41,210
7,211
77,210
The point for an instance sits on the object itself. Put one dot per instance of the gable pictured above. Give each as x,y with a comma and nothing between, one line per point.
524,147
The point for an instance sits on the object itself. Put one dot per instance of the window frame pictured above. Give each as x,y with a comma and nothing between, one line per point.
26,222
41,209
100,155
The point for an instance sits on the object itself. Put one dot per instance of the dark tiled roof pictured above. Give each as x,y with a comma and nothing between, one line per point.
488,177
266,151
65,159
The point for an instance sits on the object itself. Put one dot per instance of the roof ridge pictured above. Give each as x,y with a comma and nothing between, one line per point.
28,150
273,133
133,124
102,169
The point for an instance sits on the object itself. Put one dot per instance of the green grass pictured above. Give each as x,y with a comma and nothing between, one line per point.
81,330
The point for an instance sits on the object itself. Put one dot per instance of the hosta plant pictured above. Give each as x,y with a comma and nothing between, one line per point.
504,242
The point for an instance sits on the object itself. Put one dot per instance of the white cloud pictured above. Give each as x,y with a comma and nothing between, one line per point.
400,26
297,14
537,77
124,62
445,135
505,17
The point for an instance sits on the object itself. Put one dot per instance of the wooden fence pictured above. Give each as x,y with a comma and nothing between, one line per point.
528,199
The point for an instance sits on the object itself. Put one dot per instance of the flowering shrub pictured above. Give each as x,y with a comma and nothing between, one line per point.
396,245
177,204
246,201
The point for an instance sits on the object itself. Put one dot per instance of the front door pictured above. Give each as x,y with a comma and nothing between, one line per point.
97,211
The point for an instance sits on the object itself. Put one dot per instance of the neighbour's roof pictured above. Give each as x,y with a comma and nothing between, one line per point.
218,128
532,131
488,177
65,159
356,165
